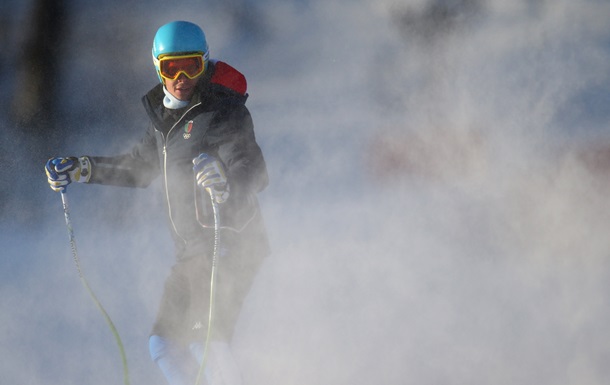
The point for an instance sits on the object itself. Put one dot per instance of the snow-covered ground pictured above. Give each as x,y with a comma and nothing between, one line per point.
432,212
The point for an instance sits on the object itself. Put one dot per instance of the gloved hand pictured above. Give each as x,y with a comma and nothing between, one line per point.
210,174
62,171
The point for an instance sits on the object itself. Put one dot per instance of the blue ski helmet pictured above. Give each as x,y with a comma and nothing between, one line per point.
179,37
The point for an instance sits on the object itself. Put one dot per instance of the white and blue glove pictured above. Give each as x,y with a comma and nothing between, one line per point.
63,171
210,174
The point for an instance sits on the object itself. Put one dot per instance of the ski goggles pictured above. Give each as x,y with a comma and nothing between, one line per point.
170,67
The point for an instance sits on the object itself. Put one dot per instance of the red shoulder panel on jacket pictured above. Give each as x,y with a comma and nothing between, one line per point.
229,77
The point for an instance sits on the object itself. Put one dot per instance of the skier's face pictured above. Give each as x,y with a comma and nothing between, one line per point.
182,87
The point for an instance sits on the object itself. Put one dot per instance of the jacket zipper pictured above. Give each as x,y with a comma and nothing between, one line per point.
165,138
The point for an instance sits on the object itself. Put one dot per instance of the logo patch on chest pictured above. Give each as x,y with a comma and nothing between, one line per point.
187,129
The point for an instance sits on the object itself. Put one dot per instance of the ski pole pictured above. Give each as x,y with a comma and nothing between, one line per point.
212,285
64,200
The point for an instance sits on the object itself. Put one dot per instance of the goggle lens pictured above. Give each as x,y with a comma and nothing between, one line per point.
172,66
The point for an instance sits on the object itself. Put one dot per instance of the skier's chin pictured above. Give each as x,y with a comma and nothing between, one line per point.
184,93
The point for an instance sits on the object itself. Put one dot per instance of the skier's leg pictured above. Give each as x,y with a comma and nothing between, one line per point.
177,364
234,279
168,342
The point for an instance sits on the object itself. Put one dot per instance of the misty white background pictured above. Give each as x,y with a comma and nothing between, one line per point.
431,215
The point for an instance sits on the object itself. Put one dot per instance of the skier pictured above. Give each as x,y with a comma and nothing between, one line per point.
201,139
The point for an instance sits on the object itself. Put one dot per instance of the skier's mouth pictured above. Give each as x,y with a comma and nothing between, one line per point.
183,90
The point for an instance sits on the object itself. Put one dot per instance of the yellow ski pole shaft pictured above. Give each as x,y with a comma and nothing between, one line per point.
64,200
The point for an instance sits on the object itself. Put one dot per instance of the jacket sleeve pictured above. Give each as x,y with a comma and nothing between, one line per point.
135,169
238,150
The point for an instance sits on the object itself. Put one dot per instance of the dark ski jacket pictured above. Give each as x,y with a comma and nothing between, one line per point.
215,122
